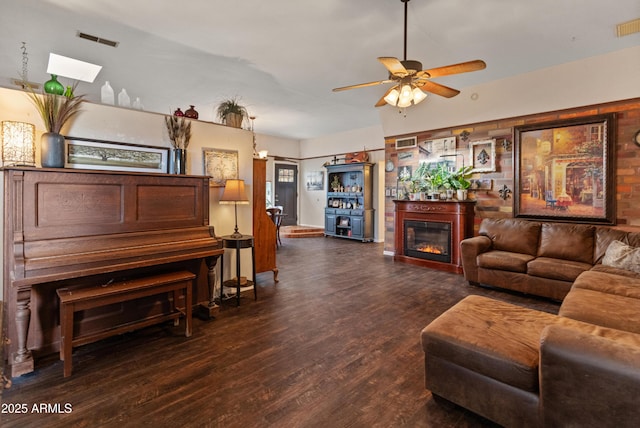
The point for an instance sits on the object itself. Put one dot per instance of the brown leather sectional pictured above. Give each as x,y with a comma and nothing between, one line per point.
520,367
542,259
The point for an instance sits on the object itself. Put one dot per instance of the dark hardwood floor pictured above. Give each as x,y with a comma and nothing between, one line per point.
336,343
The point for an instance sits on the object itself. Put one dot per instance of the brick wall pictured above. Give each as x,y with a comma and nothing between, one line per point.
489,204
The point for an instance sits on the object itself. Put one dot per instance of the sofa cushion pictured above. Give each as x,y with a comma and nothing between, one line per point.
513,235
603,309
607,282
622,256
567,241
564,270
633,239
615,271
605,236
503,260
491,337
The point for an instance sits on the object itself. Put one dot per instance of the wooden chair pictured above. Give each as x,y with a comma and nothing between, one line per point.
276,215
550,202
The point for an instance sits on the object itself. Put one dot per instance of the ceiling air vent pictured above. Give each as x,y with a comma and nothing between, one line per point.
97,39
629,27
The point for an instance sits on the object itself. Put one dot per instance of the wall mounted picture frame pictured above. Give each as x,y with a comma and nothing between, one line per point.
482,155
315,180
85,153
564,170
220,165
440,150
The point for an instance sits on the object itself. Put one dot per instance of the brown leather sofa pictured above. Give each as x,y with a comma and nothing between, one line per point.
542,259
524,368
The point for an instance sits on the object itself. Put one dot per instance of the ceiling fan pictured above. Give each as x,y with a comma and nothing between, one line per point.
411,80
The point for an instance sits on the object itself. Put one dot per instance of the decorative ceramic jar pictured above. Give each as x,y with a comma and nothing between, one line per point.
53,86
178,112
191,113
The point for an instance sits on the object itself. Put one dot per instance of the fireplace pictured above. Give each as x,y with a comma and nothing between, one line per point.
429,240
428,233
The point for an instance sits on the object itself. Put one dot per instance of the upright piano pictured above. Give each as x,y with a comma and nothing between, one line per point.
77,228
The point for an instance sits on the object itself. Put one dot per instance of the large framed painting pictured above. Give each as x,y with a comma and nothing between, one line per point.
88,153
220,165
565,170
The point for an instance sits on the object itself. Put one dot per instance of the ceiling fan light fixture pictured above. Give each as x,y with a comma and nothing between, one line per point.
418,95
392,97
406,96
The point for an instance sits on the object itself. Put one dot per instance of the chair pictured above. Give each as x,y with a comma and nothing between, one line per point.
276,215
549,200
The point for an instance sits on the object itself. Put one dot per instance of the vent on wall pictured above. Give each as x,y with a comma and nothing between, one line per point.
629,27
97,39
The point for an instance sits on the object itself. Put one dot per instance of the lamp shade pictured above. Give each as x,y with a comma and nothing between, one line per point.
18,143
404,95
234,192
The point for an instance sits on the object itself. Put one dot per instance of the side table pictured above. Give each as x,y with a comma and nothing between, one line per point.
238,243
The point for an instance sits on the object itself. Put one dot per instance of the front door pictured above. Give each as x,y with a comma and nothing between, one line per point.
286,192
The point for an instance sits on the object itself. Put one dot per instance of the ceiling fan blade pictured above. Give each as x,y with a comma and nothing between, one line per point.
361,85
463,67
381,102
437,88
394,66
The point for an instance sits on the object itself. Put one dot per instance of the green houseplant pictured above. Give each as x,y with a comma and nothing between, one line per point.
460,181
231,113
55,111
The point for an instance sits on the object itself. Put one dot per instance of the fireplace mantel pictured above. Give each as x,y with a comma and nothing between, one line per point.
458,214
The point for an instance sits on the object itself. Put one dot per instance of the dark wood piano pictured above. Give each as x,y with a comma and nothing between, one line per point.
82,228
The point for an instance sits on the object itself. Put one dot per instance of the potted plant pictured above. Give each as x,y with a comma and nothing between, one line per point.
55,111
231,113
460,181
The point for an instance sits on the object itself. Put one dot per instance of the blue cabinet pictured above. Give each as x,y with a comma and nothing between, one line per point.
349,210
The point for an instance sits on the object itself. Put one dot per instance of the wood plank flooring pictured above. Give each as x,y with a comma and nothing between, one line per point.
336,343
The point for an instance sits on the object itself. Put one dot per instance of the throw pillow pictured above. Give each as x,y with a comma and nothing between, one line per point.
622,256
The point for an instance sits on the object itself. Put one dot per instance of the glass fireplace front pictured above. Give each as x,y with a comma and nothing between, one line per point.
429,240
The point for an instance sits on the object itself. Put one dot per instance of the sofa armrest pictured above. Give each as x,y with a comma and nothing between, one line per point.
587,379
469,249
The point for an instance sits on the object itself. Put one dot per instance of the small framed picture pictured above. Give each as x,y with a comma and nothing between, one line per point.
483,155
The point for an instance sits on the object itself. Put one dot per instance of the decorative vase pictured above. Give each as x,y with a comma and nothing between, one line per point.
191,113
106,94
449,193
178,112
123,99
461,194
52,150
53,86
179,161
69,92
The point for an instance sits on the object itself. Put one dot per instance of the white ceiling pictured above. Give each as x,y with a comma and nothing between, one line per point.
281,58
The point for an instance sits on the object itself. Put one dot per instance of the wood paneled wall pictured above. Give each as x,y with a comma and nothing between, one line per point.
489,204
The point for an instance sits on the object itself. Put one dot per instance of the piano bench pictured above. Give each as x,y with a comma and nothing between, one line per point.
72,301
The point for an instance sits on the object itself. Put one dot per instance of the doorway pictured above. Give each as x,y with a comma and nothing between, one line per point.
286,192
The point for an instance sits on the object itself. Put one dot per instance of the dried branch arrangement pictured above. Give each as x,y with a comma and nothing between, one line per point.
179,130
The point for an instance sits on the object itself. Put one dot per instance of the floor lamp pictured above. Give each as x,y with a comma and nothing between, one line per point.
235,194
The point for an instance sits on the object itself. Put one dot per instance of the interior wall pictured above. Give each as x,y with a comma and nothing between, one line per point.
318,151
138,127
